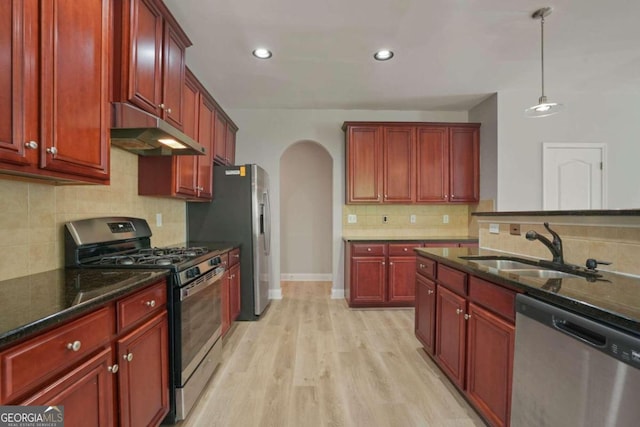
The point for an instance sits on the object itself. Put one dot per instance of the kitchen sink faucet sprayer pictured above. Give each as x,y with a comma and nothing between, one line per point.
555,247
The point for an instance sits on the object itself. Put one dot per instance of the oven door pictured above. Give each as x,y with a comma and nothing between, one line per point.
200,321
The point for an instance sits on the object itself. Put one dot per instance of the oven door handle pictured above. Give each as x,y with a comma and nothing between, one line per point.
196,287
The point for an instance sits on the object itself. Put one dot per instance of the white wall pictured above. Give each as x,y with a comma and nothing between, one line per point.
264,135
306,195
487,113
611,118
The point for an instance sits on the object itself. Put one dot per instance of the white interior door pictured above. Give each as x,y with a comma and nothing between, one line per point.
573,176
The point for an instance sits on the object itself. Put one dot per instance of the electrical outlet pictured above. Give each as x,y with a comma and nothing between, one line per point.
158,220
494,228
445,219
352,219
412,219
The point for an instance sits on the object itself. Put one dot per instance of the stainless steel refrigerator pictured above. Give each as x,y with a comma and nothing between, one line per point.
239,212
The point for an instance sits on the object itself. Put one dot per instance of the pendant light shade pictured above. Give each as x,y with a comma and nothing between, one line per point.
543,108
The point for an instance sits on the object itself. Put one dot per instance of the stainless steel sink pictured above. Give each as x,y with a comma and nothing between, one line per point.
502,264
520,267
539,272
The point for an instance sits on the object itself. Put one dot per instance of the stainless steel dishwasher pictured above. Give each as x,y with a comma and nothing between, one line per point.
572,371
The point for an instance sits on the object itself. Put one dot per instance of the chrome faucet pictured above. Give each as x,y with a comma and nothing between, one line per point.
555,247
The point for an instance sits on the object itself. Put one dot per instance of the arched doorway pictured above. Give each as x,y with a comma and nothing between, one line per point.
306,181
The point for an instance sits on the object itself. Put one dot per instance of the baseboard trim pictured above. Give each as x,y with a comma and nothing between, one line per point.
275,293
306,277
337,293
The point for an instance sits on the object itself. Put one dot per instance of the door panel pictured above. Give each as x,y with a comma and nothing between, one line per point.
364,165
464,183
399,165
432,157
573,176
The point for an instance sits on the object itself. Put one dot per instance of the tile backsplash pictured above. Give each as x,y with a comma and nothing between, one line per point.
32,215
429,220
617,244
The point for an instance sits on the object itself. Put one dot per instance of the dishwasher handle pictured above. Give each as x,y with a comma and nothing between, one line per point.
580,332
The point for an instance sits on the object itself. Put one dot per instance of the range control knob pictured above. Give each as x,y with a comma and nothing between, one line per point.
193,272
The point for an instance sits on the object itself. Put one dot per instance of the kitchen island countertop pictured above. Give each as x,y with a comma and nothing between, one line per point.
613,298
39,301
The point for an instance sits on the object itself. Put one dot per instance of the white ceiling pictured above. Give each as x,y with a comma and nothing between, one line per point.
449,54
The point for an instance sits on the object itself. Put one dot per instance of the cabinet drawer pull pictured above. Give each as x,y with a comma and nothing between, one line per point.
458,311
52,150
422,266
368,249
405,249
151,303
238,255
75,346
32,145
467,316
113,369
128,357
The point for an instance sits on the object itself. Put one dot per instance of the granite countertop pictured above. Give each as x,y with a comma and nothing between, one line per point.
613,299
416,238
38,301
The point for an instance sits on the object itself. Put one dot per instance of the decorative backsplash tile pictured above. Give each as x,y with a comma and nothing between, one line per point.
428,220
619,245
33,215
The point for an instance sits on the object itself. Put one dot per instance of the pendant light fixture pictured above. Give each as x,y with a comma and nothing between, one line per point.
544,108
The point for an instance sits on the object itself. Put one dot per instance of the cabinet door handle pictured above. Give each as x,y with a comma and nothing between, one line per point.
31,145
467,316
453,196
52,150
75,346
429,292
458,311
422,266
405,249
236,255
113,369
390,263
151,303
382,262
128,357
168,110
368,249
161,106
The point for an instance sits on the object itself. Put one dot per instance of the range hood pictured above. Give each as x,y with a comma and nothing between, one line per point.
147,135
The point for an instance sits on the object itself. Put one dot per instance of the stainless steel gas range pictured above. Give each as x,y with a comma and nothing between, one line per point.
194,295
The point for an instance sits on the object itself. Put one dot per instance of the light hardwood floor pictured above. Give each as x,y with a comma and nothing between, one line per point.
312,361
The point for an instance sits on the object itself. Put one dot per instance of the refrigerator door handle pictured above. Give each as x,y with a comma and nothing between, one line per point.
267,223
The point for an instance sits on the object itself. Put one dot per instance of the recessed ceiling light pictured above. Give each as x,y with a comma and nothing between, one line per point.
262,53
383,55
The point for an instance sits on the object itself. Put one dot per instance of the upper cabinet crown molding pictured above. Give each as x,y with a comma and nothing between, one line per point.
409,162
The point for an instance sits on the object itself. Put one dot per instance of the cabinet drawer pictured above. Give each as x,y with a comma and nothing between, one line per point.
234,257
34,361
364,249
403,249
427,267
494,297
452,279
139,305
